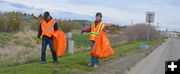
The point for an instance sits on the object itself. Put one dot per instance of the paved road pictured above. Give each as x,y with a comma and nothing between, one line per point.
155,62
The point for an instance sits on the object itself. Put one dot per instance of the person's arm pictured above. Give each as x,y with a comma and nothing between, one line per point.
39,31
56,26
39,34
87,29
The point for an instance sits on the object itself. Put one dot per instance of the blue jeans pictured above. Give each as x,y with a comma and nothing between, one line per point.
94,60
43,51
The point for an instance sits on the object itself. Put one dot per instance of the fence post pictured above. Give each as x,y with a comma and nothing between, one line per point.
70,43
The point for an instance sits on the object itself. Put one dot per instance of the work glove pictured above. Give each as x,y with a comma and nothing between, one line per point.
37,40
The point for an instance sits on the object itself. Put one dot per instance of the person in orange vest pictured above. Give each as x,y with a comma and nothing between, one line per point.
46,30
95,30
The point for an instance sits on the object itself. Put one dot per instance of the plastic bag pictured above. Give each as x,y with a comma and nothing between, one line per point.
102,47
60,42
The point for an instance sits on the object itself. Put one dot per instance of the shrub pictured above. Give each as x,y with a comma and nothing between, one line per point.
140,32
10,22
36,24
1,23
67,26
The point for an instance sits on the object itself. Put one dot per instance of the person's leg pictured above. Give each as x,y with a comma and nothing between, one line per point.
43,51
92,57
96,60
92,61
51,44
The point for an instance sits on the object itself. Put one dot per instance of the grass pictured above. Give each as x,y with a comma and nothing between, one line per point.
76,31
81,40
124,48
17,48
28,45
5,37
77,63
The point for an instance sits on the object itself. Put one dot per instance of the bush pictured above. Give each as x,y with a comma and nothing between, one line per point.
35,25
10,22
14,24
1,23
114,29
140,32
67,26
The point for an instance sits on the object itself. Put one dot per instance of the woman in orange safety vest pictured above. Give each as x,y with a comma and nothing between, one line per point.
95,30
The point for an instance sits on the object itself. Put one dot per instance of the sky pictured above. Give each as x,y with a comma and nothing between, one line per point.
121,12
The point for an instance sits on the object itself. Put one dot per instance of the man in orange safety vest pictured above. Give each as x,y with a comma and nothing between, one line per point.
46,30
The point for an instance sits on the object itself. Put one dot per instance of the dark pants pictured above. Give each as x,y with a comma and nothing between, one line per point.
94,60
43,51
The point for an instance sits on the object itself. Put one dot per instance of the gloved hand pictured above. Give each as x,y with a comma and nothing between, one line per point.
37,40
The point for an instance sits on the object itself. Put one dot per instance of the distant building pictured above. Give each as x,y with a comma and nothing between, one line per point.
172,34
30,19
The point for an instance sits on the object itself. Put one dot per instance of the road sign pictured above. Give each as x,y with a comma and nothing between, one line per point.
150,17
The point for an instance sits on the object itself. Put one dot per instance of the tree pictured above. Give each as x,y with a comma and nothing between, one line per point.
32,14
40,16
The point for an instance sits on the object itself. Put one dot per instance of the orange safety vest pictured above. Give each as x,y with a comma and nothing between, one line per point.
95,31
48,27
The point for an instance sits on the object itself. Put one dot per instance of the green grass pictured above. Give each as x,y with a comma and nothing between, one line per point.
81,40
77,63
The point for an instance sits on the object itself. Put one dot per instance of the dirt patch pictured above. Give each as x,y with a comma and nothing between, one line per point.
120,64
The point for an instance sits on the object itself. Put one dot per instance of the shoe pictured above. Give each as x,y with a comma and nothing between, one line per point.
95,66
90,64
43,62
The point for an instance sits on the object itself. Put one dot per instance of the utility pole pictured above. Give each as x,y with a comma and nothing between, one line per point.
149,27
131,21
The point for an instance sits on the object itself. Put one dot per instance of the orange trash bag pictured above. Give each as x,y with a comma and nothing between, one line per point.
102,47
60,42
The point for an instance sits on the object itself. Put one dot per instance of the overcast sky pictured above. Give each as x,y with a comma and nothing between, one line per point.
114,11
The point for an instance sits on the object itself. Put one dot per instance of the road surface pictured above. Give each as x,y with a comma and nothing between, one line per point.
155,62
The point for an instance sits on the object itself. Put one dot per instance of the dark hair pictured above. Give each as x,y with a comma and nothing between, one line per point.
99,14
46,14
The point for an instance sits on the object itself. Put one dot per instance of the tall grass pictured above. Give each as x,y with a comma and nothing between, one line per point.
19,48
5,37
